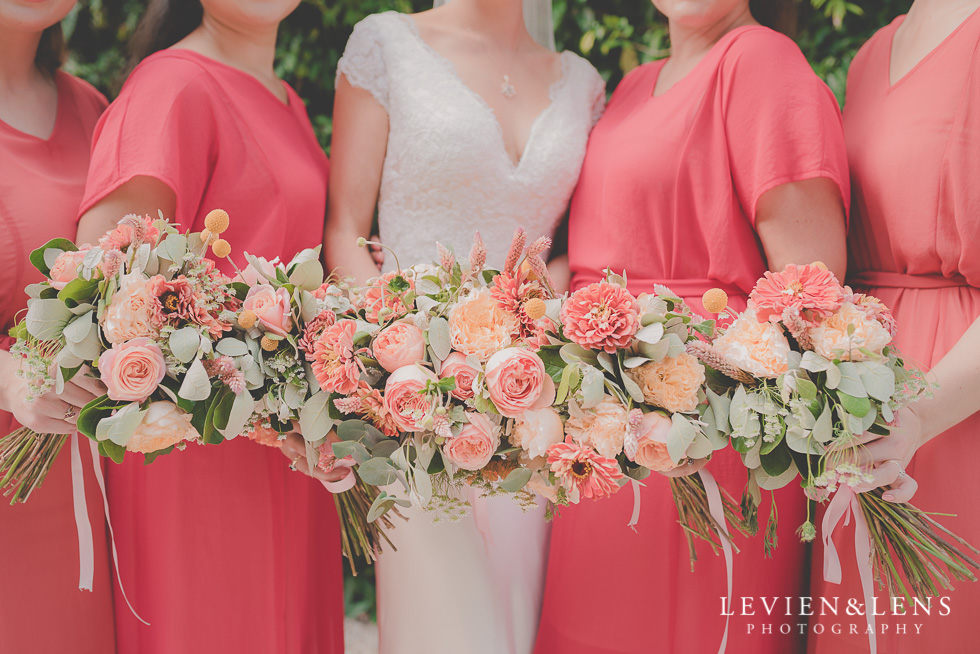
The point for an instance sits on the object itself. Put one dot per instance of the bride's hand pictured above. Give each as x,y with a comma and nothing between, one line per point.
294,449
687,469
377,252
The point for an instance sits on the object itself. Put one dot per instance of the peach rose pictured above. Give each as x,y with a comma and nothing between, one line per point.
831,340
403,398
252,274
652,449
758,348
456,366
132,370
671,383
399,345
475,445
537,430
163,425
478,326
271,307
65,268
602,427
517,381
133,312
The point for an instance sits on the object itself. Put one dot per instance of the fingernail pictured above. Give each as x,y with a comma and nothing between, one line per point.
888,497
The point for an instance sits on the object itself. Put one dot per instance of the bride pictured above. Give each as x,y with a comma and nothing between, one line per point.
447,122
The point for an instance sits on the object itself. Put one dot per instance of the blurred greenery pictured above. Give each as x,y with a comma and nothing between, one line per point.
615,35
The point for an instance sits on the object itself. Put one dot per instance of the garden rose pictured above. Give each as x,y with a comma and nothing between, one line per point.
379,296
403,398
652,436
399,345
831,340
537,430
252,274
517,381
132,370
163,425
133,312
602,427
601,316
475,445
671,383
758,348
456,366
65,268
478,326
271,307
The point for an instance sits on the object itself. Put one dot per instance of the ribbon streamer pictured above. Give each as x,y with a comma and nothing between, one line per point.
717,510
86,546
635,518
843,505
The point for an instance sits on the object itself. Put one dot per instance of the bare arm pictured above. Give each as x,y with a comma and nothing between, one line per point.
140,195
360,140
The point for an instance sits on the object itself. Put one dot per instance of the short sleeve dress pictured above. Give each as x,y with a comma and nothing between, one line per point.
41,183
222,549
668,193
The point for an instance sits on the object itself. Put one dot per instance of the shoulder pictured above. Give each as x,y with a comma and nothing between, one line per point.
172,73
377,29
84,94
880,42
581,69
763,48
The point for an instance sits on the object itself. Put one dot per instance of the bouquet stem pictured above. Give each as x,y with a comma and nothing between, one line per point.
695,517
25,459
361,539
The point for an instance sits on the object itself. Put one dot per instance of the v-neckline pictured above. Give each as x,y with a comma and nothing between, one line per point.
59,115
287,104
889,85
450,67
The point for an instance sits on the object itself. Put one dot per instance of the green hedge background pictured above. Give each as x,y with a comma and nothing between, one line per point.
615,35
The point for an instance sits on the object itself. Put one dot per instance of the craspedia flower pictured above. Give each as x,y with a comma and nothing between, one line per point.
269,344
247,319
535,308
819,264
206,236
221,248
714,300
217,221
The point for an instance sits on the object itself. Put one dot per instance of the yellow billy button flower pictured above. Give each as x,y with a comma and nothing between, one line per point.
535,308
714,300
269,344
221,248
217,221
207,236
247,319
819,264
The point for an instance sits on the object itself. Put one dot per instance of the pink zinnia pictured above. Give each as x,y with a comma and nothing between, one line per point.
814,292
378,296
511,292
313,330
177,298
335,363
601,316
579,467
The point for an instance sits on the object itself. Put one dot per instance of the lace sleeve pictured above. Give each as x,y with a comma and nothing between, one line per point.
363,62
599,98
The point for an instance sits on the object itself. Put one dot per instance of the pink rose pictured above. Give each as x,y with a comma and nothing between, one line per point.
271,307
538,430
252,274
517,381
132,370
399,345
475,445
65,268
652,450
404,400
456,366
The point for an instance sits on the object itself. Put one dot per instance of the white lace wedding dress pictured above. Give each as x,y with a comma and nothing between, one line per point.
473,586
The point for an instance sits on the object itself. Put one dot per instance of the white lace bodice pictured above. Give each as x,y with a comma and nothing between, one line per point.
447,172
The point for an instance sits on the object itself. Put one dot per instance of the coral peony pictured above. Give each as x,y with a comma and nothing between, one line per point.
404,398
831,339
475,445
335,363
478,326
134,311
815,292
517,381
602,427
758,348
601,316
132,370
536,431
671,383
399,345
583,472
163,425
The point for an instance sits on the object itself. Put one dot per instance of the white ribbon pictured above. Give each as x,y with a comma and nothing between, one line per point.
718,513
635,518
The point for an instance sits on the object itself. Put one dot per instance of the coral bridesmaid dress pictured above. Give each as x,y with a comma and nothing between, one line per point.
914,151
41,609
668,193
222,549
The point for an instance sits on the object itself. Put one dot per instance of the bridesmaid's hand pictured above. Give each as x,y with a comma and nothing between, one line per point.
294,449
888,456
687,469
51,413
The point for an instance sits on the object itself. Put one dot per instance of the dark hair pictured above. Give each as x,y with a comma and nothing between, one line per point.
51,51
780,15
164,23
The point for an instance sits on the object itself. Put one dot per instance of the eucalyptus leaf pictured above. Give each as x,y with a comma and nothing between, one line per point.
516,480
241,411
377,472
593,383
679,438
121,426
314,417
184,344
46,319
769,483
231,347
439,339
850,381
651,334
196,386
308,275
878,380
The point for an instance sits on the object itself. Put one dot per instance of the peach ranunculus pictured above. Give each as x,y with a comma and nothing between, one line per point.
334,361
478,326
133,312
252,273
475,445
671,383
465,374
602,427
404,400
271,307
651,451
537,430
601,316
758,348
132,370
163,425
65,268
399,345
517,382
831,340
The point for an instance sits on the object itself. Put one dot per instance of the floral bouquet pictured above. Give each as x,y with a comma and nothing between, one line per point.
800,375
146,313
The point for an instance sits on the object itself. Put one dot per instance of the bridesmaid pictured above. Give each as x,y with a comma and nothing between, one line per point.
224,549
707,169
912,123
46,123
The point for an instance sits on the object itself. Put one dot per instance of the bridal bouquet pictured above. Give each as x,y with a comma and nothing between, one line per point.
801,375
146,312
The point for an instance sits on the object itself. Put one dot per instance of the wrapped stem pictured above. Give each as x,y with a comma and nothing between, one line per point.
362,540
25,459
695,517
